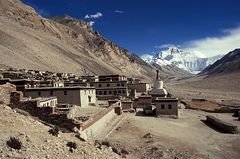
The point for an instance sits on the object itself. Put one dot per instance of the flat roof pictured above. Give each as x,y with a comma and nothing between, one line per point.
109,81
67,82
14,80
144,97
137,83
113,75
110,88
58,88
20,80
166,99
43,99
127,101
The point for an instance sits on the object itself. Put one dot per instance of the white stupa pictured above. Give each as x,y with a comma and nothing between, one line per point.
158,90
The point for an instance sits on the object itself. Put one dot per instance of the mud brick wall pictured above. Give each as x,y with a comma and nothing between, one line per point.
94,127
118,110
5,92
226,109
221,125
45,114
107,97
127,105
16,97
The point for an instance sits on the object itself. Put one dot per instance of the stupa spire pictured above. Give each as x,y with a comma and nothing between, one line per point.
158,75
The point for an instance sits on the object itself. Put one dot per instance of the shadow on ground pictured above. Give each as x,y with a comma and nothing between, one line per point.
141,113
213,127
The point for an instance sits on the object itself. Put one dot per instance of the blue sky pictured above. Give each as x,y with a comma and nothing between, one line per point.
145,26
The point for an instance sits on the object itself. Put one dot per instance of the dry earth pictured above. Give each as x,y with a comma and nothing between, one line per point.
38,143
186,137
218,87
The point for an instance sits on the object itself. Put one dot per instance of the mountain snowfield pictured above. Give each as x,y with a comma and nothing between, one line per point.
193,61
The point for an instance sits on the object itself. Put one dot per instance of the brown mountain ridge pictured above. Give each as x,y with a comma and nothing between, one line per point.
63,44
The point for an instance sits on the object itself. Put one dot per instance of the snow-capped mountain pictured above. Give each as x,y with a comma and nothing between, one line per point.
193,62
213,59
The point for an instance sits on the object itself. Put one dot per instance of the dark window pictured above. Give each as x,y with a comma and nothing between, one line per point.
122,84
99,85
91,85
110,92
51,93
118,84
169,106
124,91
108,85
100,92
119,92
115,92
105,92
39,93
162,106
65,92
89,99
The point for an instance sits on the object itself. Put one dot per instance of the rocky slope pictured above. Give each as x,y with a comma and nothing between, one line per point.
35,138
230,63
38,143
60,44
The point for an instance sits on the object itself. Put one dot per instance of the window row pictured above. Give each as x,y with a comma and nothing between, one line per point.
163,106
111,92
108,85
89,91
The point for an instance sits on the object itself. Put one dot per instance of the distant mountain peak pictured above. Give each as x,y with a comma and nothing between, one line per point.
192,61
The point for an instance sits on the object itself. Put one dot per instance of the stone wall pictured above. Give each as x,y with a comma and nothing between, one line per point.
167,108
221,125
139,87
43,113
16,97
107,97
143,102
63,96
5,91
97,124
127,105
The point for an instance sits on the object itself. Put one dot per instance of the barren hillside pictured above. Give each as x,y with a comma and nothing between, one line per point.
64,44
228,64
29,41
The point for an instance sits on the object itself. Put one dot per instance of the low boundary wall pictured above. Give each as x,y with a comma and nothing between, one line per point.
221,125
94,127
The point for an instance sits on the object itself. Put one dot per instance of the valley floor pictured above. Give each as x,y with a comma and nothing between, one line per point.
220,87
186,137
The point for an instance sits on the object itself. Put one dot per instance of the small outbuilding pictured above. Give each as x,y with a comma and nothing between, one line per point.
167,106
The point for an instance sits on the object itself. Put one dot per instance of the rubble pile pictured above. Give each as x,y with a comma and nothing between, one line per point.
5,91
37,142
